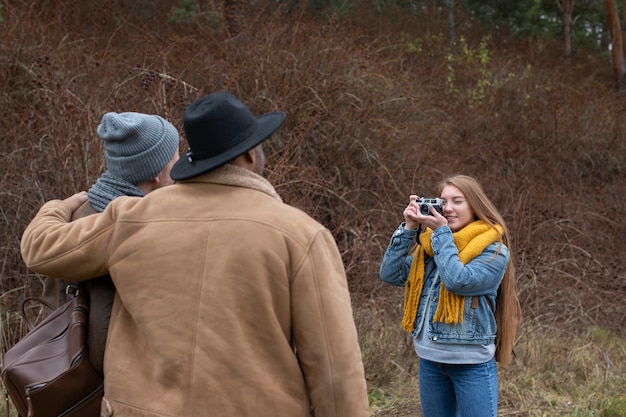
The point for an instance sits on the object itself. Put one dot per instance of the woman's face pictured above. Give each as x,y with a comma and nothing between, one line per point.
455,208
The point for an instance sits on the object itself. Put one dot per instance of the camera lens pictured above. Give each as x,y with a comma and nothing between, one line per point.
424,209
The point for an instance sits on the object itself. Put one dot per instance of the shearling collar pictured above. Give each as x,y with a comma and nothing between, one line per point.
236,176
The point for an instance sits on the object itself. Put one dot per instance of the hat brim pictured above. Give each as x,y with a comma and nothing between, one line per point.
185,168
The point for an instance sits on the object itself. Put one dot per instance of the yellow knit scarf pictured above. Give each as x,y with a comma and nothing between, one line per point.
470,241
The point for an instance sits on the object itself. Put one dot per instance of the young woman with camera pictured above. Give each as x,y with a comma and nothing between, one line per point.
460,301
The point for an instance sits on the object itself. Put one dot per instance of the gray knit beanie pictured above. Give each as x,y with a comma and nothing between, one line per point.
137,146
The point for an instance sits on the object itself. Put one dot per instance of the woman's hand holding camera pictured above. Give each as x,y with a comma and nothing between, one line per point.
413,218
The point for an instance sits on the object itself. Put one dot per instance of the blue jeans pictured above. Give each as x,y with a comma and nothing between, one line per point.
458,390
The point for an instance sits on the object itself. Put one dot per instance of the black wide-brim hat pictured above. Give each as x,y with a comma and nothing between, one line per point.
219,128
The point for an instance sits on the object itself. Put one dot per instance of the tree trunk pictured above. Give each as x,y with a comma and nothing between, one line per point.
617,46
623,32
568,9
451,24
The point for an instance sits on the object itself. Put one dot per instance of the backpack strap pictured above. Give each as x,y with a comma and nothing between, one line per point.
71,290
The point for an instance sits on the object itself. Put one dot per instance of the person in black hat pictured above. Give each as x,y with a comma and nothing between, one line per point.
229,301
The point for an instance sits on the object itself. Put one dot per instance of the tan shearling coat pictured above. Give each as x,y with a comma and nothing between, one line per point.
229,302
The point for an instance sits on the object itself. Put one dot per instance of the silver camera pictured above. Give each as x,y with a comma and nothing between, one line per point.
426,203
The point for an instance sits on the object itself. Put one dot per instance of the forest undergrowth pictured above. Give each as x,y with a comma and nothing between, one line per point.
379,106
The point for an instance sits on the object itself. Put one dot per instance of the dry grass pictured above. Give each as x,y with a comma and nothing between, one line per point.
555,372
378,107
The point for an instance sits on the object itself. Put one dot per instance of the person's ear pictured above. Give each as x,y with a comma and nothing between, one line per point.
251,156
147,186
245,160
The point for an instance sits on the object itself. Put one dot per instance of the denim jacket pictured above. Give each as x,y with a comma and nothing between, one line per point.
477,281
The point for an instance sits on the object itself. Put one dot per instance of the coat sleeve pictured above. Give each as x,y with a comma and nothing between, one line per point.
325,335
396,263
51,245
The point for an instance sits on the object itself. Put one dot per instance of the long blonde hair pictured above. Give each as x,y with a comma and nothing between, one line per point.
508,311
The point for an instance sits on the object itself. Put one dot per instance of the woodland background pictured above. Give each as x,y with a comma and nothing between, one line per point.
383,99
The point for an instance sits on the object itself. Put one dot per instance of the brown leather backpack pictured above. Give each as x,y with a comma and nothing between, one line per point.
47,372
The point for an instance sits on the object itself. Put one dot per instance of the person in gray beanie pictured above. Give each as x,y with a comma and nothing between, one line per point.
140,150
